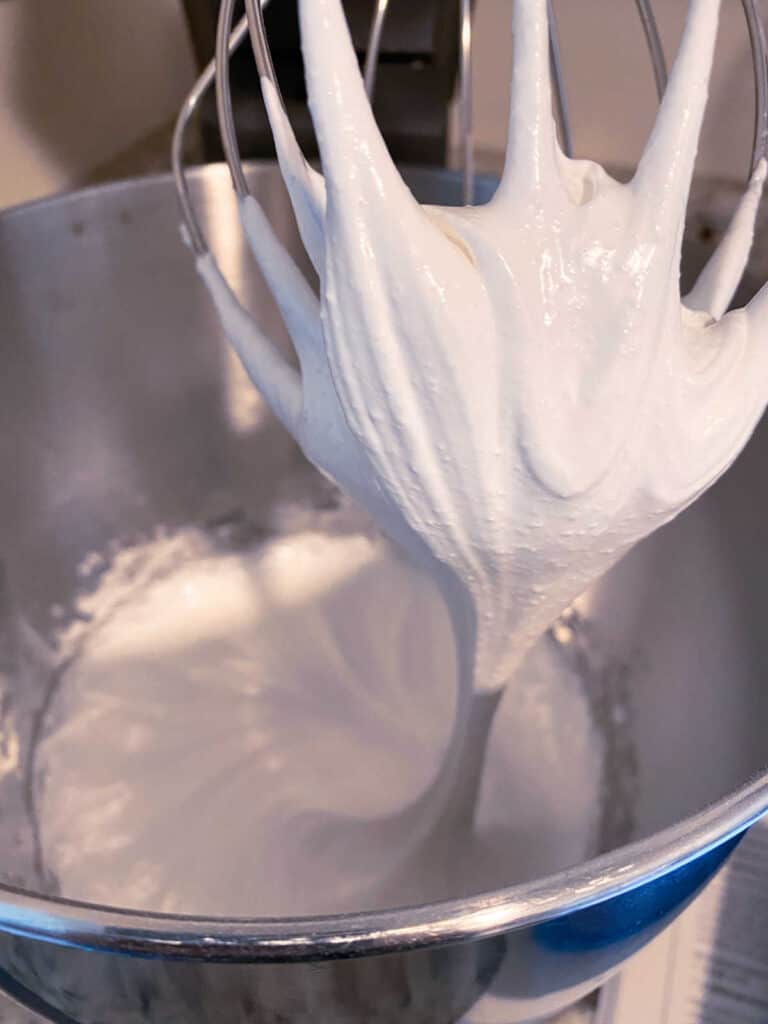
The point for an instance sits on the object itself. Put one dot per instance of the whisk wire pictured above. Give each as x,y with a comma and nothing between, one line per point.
760,67
374,46
224,110
465,102
188,110
260,45
561,99
653,41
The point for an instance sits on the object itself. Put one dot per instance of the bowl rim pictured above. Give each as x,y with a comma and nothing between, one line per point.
289,939
252,939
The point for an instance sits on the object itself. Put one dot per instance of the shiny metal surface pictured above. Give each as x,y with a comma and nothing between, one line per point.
224,109
466,94
119,409
261,51
374,46
655,48
187,112
558,79
760,70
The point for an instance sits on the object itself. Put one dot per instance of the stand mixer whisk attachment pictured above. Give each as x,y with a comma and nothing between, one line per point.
252,24
444,365
388,382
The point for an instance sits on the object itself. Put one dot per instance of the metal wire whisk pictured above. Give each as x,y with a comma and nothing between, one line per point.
252,24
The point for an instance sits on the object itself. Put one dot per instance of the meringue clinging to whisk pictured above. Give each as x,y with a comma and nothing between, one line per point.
516,392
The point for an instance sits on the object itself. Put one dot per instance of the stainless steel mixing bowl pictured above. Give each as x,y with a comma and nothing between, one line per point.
121,409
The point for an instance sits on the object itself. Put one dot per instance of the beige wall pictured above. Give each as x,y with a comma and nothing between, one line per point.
610,84
80,80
